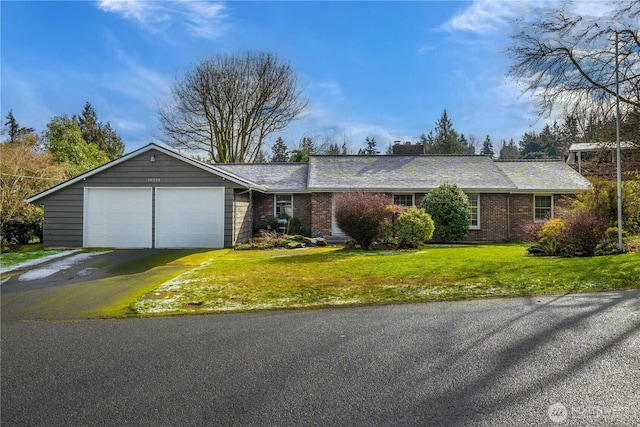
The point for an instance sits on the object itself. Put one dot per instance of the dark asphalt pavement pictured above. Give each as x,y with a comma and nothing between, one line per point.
87,284
502,362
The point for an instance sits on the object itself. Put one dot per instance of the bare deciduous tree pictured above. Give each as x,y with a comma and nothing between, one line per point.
227,105
569,60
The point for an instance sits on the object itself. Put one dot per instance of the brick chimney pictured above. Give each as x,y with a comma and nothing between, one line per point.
407,149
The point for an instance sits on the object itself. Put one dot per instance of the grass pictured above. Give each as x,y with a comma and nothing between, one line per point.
250,280
24,253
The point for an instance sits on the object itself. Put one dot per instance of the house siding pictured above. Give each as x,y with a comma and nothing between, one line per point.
242,217
63,219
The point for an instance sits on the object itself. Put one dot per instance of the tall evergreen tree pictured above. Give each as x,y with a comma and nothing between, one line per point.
487,148
508,151
445,139
279,151
16,132
333,149
547,141
102,135
371,148
468,146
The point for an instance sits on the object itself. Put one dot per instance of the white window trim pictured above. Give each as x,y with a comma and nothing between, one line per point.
552,207
413,197
275,203
475,227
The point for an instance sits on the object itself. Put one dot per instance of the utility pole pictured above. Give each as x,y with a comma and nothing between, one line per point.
618,162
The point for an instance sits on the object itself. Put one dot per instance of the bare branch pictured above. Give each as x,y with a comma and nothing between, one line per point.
227,105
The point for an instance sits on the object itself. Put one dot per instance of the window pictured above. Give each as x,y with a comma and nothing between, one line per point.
405,200
474,211
542,208
283,205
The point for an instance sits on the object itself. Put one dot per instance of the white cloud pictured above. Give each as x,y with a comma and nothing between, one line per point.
485,16
200,19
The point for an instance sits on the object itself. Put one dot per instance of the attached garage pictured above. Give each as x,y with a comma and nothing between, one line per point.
150,198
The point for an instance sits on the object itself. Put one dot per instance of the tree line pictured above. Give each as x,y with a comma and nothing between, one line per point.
552,142
32,162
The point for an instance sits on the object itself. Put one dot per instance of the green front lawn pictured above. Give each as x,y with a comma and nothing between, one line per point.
249,280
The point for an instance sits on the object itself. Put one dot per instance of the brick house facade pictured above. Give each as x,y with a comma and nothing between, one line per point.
503,217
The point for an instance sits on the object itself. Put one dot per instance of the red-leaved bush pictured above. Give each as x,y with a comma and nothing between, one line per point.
585,230
362,215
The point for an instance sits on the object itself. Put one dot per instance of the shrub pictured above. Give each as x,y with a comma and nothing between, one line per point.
414,227
361,215
552,234
602,199
296,226
269,224
585,230
22,232
580,234
449,209
393,213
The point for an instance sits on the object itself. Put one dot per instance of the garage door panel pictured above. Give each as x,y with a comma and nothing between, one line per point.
118,217
189,217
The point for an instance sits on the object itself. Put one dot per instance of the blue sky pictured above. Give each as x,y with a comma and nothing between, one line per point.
369,69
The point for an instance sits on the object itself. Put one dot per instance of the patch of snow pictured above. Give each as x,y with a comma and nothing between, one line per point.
39,261
63,264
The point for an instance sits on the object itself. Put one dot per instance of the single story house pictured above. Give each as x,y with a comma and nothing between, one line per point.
155,197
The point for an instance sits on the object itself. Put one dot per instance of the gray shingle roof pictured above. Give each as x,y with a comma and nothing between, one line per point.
543,176
276,177
410,174
405,173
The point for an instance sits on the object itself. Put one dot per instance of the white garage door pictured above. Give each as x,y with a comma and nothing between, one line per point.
189,217
118,217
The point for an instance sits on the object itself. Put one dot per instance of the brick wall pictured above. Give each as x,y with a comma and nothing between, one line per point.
321,208
494,225
503,217
302,209
263,208
521,208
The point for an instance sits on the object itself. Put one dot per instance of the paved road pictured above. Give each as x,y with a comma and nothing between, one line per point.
499,362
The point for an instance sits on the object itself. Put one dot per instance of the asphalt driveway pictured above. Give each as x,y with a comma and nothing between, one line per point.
89,284
570,360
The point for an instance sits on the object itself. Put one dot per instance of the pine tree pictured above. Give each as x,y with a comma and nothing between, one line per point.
445,140
508,151
333,149
279,151
15,131
487,148
307,146
469,148
371,148
94,132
